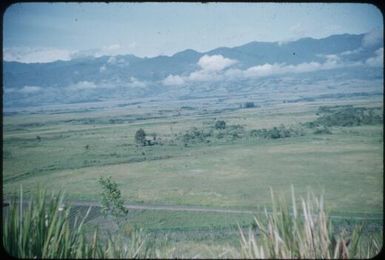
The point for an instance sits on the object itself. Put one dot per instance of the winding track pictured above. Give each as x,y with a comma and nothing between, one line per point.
93,204
199,209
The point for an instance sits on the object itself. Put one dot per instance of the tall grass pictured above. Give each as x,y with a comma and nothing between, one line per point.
304,232
43,230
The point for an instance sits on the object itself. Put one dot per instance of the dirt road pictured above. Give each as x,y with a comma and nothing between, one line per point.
93,204
200,209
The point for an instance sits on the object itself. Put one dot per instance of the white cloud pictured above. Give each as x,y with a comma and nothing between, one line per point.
373,38
277,69
111,50
332,58
307,67
233,74
30,89
114,60
281,43
10,90
297,29
350,52
203,75
111,60
114,50
134,82
211,73
45,55
102,68
211,69
262,70
82,85
112,47
37,55
172,80
332,61
215,62
377,60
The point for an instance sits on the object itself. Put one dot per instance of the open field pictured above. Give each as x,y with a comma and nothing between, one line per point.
69,149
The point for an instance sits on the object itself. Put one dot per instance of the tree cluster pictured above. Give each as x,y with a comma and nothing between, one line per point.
347,116
277,132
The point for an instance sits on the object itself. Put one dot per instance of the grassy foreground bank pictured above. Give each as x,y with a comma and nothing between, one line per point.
43,229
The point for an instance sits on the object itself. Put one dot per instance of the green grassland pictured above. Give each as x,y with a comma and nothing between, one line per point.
70,150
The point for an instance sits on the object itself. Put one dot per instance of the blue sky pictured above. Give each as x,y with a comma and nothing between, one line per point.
49,31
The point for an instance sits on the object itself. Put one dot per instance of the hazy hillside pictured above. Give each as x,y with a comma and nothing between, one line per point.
218,72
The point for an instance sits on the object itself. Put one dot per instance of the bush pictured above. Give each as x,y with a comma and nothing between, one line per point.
140,137
322,130
220,135
274,133
111,198
277,132
195,135
249,105
220,124
346,116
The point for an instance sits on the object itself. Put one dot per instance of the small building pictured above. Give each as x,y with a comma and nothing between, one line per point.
150,140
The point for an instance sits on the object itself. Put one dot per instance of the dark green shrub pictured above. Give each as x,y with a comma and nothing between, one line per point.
274,133
140,136
322,130
249,105
347,116
220,124
111,198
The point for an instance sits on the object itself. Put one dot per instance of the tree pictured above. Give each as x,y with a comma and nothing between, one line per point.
249,105
274,133
140,136
111,198
220,124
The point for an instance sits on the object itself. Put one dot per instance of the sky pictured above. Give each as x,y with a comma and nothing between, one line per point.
44,32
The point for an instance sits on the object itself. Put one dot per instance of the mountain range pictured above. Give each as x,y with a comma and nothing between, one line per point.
190,73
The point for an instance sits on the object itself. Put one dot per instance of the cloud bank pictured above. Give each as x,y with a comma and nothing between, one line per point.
215,62
377,60
26,90
372,38
217,67
30,89
172,80
82,85
45,55
211,68
37,55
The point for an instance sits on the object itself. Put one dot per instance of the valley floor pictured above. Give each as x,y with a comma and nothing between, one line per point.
211,184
